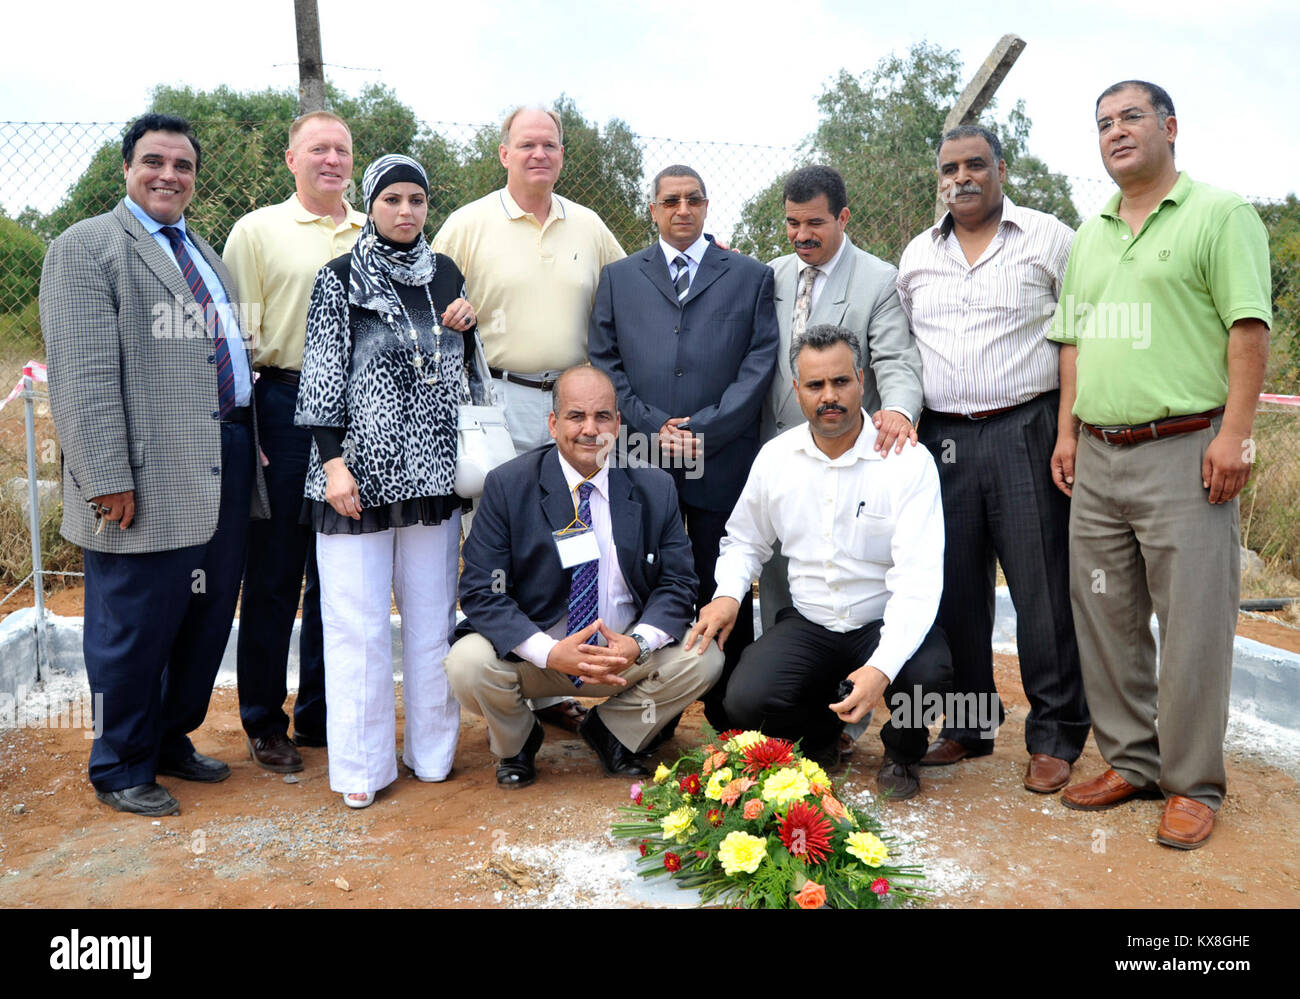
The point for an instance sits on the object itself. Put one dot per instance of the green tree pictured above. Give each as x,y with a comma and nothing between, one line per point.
1282,220
243,136
881,131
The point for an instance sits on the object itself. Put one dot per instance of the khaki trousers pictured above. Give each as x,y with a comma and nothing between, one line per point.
1143,536
657,691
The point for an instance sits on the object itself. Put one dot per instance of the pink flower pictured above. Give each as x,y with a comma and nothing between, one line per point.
635,794
880,886
753,808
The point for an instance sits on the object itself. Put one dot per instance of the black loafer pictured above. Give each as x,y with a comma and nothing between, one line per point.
615,758
519,770
143,799
197,767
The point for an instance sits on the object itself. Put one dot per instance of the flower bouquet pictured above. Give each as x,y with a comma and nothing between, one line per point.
746,820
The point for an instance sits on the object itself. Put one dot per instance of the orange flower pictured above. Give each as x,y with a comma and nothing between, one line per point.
833,808
753,808
712,760
811,896
732,792
819,789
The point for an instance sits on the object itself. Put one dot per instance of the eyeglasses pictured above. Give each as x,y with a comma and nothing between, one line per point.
1128,118
672,201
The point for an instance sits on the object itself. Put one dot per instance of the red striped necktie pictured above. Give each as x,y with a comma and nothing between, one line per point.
225,370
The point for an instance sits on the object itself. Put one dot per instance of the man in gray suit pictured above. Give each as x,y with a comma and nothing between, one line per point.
829,280
152,400
688,334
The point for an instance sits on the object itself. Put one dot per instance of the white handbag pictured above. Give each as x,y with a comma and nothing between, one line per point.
482,435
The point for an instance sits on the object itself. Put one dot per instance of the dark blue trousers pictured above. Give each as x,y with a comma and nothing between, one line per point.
279,550
156,626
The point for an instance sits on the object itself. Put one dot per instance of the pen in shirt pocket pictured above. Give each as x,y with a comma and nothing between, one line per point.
860,506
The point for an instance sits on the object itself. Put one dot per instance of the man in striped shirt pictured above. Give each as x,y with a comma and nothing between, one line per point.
980,289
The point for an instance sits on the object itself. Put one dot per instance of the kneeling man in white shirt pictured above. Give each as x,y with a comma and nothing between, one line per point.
864,536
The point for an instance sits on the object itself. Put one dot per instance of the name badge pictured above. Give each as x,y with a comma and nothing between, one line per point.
576,547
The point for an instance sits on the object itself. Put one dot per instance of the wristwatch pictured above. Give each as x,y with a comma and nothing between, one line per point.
644,646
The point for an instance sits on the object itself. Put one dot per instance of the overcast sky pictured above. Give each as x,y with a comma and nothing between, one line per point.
718,70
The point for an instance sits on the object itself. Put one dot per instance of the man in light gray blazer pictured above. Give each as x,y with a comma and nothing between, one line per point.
150,390
829,280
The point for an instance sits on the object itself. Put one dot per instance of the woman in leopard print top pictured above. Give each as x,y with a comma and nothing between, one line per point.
388,333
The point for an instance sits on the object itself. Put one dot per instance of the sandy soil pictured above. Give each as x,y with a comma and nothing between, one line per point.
256,840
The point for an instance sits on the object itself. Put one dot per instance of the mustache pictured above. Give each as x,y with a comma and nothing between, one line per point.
830,407
951,190
807,244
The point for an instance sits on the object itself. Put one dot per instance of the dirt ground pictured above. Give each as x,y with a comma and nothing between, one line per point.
258,841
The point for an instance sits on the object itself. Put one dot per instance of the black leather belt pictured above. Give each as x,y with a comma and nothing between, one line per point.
240,414
984,414
1170,426
286,375
544,384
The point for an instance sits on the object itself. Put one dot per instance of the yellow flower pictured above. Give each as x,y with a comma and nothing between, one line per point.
787,784
717,781
677,823
867,848
662,774
744,741
814,773
741,852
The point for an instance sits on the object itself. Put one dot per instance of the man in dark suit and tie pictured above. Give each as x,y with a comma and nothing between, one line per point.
577,577
688,334
152,400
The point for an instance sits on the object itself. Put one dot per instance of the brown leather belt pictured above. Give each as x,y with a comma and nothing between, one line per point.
544,384
286,375
1171,426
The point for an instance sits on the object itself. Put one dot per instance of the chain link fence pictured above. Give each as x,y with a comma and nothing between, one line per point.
54,174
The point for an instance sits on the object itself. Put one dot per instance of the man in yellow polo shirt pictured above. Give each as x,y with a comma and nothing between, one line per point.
274,254
1163,320
531,261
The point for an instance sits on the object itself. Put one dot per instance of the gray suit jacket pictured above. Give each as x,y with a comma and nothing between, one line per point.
132,389
860,294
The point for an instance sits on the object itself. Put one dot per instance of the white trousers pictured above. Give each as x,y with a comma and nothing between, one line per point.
359,576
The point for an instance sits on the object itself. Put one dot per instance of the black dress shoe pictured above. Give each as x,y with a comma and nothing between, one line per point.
197,767
616,758
143,799
519,770
310,741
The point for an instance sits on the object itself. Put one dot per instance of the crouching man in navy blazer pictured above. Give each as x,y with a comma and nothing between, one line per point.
578,578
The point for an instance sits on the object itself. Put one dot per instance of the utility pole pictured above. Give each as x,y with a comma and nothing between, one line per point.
979,92
311,70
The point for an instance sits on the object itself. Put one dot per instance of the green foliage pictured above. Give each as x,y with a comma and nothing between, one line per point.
21,253
881,131
1283,223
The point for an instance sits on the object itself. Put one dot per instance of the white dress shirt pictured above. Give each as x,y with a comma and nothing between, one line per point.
616,604
693,254
981,328
864,536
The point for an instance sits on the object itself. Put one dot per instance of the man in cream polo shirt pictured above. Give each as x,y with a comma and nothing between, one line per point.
531,261
274,254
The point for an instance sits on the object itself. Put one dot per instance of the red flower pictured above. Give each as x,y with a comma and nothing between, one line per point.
769,753
643,846
701,853
730,734
805,832
672,862
880,886
690,784
715,817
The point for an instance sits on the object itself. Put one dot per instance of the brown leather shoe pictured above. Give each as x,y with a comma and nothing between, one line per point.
275,753
1106,791
943,752
1186,824
1046,774
567,714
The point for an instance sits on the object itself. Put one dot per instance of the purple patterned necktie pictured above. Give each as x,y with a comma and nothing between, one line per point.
583,592
225,371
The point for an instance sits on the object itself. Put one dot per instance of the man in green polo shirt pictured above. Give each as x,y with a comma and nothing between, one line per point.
1163,320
